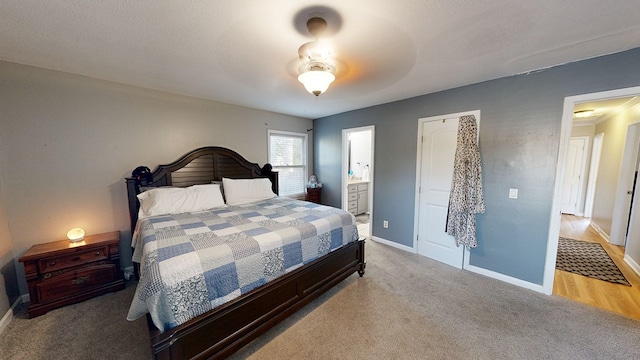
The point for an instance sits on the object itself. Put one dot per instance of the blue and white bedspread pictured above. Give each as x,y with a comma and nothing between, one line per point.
193,262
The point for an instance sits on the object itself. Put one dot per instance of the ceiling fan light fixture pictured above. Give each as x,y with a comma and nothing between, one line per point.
583,113
316,80
316,70
315,51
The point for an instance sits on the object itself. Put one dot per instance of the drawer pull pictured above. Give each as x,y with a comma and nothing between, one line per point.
53,263
97,253
47,275
80,280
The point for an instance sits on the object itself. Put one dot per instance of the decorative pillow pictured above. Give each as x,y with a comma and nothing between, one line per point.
243,191
172,200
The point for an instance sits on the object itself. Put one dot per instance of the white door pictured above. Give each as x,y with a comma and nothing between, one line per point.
573,175
438,152
593,174
622,204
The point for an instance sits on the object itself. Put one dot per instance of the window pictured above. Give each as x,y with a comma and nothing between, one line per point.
288,155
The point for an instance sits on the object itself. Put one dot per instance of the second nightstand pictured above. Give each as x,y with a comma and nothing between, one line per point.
313,195
61,273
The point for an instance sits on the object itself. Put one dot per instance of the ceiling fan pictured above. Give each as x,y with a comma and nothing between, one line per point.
317,68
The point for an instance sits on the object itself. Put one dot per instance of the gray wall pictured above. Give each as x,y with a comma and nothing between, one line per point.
519,139
8,285
68,141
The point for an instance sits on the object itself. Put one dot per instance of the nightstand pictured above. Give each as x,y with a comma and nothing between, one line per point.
61,272
313,195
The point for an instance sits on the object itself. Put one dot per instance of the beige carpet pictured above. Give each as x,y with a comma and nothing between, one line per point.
94,329
405,307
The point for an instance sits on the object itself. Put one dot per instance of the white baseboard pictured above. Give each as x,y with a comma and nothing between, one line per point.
8,316
600,232
632,264
507,279
393,244
474,269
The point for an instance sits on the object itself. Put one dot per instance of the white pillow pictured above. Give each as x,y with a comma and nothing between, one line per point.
207,196
171,200
243,191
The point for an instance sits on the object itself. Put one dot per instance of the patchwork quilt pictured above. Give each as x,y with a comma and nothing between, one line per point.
193,262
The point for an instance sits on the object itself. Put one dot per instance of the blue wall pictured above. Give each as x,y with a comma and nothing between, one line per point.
519,138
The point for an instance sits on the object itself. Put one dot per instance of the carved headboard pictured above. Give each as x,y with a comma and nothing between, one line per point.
200,166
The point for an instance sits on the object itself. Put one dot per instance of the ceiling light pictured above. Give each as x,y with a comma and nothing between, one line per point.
583,113
317,70
316,80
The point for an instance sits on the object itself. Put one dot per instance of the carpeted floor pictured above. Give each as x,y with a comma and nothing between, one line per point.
93,329
405,307
588,259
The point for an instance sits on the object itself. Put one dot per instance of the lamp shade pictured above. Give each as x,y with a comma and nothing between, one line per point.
316,81
75,234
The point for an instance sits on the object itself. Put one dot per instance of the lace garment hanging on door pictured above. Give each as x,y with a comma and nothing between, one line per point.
466,198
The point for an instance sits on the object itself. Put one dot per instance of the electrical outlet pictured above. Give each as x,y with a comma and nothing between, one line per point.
385,224
513,193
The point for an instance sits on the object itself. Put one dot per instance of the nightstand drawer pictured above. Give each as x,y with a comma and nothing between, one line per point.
74,259
74,282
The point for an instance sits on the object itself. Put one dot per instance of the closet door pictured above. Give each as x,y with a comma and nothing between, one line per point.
439,140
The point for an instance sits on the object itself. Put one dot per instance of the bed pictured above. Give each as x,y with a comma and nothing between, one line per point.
229,325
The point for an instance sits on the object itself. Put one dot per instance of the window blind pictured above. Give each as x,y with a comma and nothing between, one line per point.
287,155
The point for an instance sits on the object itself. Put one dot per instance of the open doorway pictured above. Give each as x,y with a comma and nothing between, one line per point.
614,297
358,175
611,128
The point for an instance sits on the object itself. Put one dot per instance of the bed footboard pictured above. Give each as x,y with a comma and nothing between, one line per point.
226,329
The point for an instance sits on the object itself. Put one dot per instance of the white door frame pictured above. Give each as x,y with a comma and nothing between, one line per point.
565,134
345,177
416,211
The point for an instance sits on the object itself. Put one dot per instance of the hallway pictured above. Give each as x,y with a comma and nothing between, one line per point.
621,299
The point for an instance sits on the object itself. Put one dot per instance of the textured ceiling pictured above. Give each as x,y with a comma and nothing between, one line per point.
245,52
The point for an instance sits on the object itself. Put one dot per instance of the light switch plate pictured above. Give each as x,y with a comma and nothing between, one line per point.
513,193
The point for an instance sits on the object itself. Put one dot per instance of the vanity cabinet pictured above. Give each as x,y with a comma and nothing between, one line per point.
358,194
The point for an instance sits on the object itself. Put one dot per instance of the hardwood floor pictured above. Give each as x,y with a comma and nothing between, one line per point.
621,299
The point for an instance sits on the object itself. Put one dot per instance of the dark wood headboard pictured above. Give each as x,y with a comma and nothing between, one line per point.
200,166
